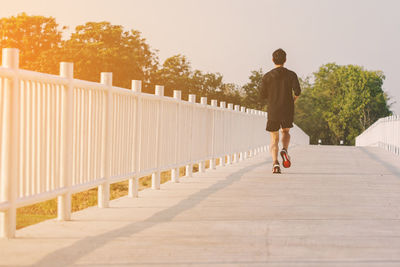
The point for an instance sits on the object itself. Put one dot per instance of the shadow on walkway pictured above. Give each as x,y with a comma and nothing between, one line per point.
390,167
69,255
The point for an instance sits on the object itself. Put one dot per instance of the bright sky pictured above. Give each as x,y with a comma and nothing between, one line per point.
234,37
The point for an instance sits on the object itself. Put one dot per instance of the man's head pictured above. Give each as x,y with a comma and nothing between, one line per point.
279,57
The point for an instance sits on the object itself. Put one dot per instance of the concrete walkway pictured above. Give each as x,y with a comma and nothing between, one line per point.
336,206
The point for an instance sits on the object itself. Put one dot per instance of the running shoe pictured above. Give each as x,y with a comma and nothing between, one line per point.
285,158
276,168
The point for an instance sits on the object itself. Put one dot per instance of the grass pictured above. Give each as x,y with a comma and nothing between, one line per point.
42,211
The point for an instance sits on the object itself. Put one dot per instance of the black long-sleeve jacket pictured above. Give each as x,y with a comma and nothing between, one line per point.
277,86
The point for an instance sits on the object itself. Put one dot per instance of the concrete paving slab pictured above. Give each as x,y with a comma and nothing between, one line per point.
336,206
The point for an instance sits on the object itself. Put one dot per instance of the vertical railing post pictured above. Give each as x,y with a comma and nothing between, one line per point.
229,159
251,119
222,105
248,149
156,176
175,171
202,164
133,185
64,201
236,152
214,103
189,166
242,155
10,146
104,188
254,149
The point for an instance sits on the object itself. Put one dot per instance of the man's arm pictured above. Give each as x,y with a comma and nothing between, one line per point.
263,90
296,87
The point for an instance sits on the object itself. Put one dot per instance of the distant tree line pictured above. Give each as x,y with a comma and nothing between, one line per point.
100,46
337,102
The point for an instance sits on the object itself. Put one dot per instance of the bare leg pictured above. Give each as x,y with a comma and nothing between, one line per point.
273,147
285,138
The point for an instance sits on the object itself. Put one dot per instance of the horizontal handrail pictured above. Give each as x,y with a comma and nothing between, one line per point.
384,133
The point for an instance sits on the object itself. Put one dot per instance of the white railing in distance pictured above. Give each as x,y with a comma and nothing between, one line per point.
384,133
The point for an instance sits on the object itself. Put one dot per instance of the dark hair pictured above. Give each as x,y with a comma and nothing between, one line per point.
279,56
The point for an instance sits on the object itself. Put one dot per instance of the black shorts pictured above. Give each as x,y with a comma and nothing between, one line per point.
273,126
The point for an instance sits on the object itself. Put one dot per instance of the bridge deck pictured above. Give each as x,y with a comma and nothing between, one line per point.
335,206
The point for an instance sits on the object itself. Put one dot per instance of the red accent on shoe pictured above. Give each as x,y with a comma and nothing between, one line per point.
285,159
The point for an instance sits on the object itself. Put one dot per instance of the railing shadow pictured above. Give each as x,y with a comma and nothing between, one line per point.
395,170
68,255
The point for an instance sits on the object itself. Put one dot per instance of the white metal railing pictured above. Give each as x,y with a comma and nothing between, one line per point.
60,136
384,133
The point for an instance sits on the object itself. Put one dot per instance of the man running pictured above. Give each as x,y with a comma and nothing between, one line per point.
277,86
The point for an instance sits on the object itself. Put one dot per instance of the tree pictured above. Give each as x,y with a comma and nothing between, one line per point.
252,97
175,74
232,93
210,85
102,47
341,103
308,108
97,47
32,35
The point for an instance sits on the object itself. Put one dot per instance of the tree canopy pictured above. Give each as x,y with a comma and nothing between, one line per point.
100,46
96,47
32,35
176,73
252,97
344,100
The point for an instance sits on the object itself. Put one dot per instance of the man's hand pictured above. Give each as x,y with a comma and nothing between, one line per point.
295,98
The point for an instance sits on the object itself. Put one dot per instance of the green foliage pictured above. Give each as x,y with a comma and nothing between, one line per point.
207,84
341,103
97,47
176,74
42,211
252,98
32,35
308,108
232,93
101,47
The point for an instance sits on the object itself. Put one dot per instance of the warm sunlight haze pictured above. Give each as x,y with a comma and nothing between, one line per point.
234,37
